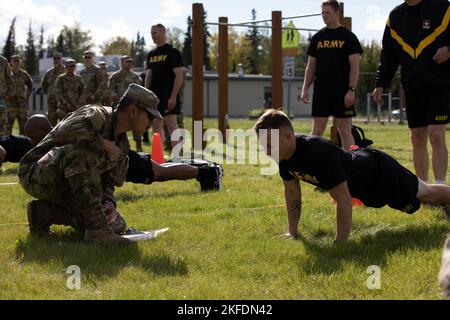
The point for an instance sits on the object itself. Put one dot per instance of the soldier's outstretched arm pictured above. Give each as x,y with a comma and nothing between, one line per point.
344,209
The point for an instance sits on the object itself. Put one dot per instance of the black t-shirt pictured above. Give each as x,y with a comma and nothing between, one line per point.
320,162
16,147
331,48
162,60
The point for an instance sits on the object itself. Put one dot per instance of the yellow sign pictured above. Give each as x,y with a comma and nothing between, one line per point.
291,40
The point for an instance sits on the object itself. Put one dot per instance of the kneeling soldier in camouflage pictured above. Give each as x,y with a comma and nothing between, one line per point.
74,169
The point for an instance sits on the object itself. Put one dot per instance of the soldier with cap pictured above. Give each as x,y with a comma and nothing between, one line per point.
103,94
119,82
91,77
17,106
6,89
74,169
69,90
49,87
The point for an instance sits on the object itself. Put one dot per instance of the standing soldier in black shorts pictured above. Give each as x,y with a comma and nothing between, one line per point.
370,175
417,38
165,77
333,65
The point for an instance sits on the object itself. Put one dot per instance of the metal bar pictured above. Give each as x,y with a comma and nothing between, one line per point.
270,20
251,26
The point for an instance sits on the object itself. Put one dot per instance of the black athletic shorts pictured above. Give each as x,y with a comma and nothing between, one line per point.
428,106
163,93
140,168
328,100
396,187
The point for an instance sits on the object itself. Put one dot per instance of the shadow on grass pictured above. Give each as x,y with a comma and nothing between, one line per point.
370,249
95,261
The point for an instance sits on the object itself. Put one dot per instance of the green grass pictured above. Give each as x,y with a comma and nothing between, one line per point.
225,246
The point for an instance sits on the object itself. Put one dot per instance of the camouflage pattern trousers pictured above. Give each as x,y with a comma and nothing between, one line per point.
79,194
51,113
16,109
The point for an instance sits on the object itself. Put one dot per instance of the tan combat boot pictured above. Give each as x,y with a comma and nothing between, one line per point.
98,231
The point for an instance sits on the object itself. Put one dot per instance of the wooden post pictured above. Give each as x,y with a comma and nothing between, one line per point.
277,89
346,22
197,64
223,76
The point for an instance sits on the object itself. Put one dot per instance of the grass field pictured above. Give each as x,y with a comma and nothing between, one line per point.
225,245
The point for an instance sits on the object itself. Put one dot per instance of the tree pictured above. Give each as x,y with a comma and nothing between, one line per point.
186,51
254,41
10,45
50,46
74,42
174,37
117,45
40,47
60,44
30,53
138,51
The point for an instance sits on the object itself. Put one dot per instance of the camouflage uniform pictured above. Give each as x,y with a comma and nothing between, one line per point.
69,93
49,88
6,89
89,75
70,170
17,107
119,82
103,94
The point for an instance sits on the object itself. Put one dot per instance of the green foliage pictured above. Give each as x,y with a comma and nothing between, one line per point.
10,45
31,63
117,45
226,246
186,52
73,41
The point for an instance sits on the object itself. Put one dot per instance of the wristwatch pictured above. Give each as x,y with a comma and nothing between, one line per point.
352,88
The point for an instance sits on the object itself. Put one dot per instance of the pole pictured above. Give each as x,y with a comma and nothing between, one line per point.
277,98
197,67
223,76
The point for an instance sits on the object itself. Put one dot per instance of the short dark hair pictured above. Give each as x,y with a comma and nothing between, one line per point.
333,3
273,119
160,26
125,103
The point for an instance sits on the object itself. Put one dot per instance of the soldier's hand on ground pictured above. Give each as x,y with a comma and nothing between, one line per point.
378,96
111,150
305,97
442,55
349,99
171,104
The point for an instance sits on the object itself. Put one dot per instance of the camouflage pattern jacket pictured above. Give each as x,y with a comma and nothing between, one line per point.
95,83
6,80
120,81
81,131
69,92
49,81
23,84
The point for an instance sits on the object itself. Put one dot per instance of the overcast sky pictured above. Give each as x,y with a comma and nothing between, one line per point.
108,19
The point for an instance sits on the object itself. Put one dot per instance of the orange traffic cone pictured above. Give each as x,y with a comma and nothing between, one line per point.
157,149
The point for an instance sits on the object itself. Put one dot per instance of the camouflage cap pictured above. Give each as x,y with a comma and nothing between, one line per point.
69,62
102,64
147,99
125,58
88,53
16,57
57,55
